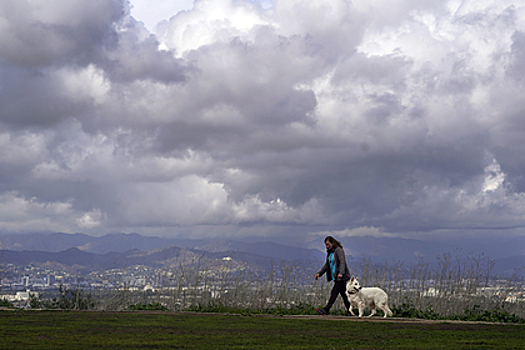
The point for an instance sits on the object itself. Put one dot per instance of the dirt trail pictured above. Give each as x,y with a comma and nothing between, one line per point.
397,320
390,320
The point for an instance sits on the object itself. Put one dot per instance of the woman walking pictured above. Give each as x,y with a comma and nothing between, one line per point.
336,270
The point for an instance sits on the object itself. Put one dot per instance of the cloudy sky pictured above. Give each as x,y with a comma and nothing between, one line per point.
285,118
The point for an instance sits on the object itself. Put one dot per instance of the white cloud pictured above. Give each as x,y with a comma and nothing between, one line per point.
364,231
253,209
152,12
210,22
21,214
83,84
494,177
90,220
189,200
22,149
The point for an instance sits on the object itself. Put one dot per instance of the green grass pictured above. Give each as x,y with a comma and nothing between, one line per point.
171,330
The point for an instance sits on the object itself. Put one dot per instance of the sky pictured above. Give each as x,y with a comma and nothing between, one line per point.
283,119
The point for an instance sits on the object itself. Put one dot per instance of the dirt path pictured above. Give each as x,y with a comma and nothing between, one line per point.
397,320
390,320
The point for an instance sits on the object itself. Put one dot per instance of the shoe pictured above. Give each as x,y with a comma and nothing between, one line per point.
348,314
321,312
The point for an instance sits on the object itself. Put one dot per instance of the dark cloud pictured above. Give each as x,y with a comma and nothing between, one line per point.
516,69
135,59
57,32
34,98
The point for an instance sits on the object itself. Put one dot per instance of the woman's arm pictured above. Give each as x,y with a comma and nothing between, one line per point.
325,268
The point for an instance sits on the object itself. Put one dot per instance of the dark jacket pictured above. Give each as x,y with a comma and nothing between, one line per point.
340,266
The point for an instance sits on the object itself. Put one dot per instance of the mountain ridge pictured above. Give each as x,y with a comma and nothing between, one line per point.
379,249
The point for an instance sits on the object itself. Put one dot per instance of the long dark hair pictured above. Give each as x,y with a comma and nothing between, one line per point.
334,242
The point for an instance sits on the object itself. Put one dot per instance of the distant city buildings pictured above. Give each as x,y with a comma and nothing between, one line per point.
50,280
20,299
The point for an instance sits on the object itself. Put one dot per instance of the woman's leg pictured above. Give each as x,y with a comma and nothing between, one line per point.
338,288
344,296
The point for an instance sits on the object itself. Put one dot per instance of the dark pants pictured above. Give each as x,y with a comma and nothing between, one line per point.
339,288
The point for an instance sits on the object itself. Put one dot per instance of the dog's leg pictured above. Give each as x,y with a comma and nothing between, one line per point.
388,311
384,307
372,307
350,311
361,309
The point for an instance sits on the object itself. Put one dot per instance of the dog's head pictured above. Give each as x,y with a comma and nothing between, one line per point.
353,286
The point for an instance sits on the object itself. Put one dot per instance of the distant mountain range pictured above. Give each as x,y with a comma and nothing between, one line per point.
127,249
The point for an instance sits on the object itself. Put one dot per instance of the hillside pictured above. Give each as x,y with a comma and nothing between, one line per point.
114,249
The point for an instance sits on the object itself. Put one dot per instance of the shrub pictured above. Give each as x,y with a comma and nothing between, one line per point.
495,315
35,302
148,307
71,300
7,304
408,310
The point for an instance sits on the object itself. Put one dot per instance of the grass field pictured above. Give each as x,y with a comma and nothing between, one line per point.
172,330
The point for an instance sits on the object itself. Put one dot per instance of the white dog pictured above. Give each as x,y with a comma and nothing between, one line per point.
363,297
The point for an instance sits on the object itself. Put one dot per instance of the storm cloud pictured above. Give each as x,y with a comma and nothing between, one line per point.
235,119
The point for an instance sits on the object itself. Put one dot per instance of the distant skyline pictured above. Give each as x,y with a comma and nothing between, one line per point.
284,120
